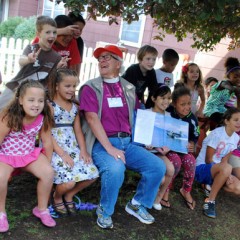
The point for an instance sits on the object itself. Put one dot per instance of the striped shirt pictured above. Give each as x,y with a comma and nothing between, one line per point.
217,100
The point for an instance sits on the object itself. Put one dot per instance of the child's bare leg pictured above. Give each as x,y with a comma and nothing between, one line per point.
42,169
236,172
164,201
232,185
175,159
77,188
5,172
61,190
167,179
220,173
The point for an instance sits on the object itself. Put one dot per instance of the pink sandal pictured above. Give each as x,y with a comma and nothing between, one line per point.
3,222
44,216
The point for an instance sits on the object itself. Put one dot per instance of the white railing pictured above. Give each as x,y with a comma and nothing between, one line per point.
11,49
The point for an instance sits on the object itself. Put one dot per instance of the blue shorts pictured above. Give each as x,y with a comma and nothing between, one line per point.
203,173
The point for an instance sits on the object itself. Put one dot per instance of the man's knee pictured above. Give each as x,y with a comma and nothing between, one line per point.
113,171
159,168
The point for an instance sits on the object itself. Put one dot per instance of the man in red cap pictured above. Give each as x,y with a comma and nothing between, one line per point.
108,104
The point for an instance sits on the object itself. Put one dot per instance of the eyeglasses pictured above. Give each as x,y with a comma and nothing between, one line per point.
107,58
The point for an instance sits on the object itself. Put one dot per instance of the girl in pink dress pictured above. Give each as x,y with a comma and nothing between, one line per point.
27,116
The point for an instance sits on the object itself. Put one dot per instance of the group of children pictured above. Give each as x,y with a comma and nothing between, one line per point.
216,162
62,157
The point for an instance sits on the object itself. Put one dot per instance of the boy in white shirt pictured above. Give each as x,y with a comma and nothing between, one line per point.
164,74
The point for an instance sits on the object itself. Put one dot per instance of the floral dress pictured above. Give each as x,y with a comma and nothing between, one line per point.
64,135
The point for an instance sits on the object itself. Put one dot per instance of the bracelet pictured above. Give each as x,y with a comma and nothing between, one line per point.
63,155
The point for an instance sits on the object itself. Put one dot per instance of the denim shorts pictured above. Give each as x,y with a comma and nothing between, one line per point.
203,173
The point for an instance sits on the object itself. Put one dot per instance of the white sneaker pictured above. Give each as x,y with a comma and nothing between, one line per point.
157,206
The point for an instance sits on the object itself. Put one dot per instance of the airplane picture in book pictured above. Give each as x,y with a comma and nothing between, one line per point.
174,135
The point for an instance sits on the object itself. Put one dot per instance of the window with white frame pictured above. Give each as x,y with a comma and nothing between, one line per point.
132,34
52,8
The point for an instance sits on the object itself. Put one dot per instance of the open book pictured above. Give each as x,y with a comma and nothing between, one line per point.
158,130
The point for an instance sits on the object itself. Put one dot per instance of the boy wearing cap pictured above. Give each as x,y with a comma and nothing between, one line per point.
108,103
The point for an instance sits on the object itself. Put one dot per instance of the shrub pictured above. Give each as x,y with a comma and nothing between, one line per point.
7,28
26,30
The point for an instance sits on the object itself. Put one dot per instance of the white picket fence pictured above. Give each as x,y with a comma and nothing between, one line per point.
11,49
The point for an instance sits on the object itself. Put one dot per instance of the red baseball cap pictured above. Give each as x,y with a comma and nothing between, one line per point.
109,48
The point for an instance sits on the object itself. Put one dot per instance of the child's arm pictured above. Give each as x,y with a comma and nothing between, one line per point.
62,154
225,159
46,138
4,129
63,63
81,140
209,154
201,94
30,58
226,85
69,30
163,150
191,147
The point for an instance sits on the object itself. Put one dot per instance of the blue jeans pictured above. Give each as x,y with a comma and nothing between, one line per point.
138,159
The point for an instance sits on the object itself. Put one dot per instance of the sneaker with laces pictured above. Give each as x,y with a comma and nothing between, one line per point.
140,212
209,208
103,221
44,216
3,222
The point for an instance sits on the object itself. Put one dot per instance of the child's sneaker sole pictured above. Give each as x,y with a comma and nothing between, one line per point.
104,226
208,215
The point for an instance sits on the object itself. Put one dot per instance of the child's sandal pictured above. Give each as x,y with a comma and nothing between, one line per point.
60,209
71,207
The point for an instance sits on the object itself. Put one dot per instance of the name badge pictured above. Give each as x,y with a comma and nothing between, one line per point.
115,102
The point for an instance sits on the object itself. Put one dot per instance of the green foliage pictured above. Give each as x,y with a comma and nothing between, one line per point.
8,27
18,27
26,30
207,21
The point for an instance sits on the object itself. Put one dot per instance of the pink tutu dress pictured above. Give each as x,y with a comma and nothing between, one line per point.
18,148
